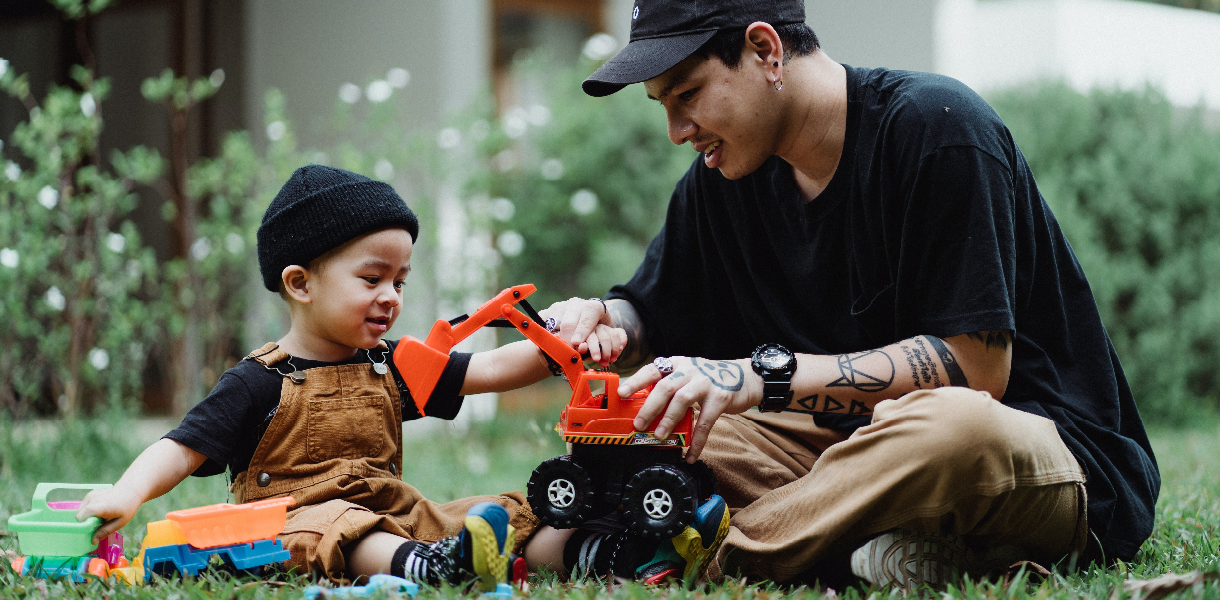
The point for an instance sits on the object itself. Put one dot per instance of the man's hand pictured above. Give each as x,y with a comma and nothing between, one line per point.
116,506
717,387
588,327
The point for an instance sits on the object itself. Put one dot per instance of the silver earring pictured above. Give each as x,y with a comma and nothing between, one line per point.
778,84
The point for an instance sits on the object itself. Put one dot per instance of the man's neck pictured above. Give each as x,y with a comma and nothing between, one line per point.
817,126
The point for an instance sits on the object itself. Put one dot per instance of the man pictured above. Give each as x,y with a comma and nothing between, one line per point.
865,257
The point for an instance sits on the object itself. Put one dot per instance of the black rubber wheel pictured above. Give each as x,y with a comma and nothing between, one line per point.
705,480
560,493
659,501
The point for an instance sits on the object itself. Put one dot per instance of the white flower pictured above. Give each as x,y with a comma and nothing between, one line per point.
276,130
133,269
217,78
3,67
449,138
201,248
505,161
398,77
510,243
584,202
478,463
383,170
501,209
349,93
515,122
99,358
234,243
379,91
552,169
116,242
599,47
538,115
9,258
12,171
48,197
478,130
55,299
88,106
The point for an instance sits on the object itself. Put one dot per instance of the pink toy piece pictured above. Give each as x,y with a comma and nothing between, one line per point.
110,549
64,504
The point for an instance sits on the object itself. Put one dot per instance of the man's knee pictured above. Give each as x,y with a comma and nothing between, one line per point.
948,427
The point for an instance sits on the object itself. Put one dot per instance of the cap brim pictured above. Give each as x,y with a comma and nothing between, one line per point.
642,60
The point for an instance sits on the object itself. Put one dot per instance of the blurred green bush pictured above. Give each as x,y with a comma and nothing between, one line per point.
1135,184
573,190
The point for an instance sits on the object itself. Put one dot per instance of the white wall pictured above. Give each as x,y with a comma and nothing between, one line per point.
1087,43
308,48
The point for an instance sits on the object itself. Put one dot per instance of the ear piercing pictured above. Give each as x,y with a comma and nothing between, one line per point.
778,84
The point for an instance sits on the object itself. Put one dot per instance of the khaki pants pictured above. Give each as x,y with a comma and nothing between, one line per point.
951,460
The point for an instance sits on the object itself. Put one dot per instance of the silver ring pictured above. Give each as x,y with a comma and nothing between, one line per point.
664,365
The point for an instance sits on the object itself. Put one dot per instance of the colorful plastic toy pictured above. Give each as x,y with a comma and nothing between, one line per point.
56,545
388,582
243,536
611,464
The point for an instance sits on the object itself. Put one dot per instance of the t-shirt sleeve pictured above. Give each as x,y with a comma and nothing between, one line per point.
213,427
957,271
446,399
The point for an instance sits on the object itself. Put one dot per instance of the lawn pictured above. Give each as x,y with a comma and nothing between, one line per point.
499,455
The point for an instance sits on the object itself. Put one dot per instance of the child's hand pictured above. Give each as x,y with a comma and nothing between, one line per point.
576,315
604,344
115,506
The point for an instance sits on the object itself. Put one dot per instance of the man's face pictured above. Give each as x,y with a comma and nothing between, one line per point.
725,113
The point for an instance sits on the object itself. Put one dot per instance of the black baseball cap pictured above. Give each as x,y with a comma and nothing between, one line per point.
665,32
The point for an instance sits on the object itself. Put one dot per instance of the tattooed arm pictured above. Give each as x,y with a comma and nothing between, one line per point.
847,383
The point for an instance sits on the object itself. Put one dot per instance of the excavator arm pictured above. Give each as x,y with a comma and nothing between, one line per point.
422,362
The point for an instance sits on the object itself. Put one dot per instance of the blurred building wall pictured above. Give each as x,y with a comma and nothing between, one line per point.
1088,43
309,48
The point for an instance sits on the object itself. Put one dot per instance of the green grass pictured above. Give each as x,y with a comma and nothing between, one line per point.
448,462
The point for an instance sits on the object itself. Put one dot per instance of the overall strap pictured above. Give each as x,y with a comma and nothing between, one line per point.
268,355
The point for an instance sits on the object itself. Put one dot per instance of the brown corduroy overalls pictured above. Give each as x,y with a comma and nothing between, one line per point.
335,445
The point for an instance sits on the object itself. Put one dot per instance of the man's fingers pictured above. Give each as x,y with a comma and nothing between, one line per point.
642,378
660,400
709,411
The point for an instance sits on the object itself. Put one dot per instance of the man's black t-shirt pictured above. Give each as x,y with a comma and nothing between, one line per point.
227,425
931,225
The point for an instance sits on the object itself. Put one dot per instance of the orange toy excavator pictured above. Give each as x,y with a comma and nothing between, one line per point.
611,465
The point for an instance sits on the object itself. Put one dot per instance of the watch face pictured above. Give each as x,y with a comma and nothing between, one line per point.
774,358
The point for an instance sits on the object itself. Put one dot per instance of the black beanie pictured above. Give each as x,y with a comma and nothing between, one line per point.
321,208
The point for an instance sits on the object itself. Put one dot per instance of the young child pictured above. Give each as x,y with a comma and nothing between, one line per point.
318,415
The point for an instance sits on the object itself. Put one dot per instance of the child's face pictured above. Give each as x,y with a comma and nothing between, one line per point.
356,295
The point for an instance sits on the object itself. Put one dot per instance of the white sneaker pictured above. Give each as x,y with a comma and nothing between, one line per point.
909,559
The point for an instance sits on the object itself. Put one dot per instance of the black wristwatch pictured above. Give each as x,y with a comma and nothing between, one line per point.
775,364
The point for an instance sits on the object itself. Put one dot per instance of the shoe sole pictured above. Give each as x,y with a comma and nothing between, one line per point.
489,551
909,559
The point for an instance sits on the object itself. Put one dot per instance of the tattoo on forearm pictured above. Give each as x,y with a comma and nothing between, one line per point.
927,370
869,372
828,404
952,369
636,352
724,375
999,338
